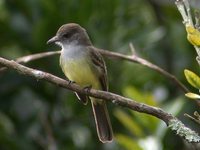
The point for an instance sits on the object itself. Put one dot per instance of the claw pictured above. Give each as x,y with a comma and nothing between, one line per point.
71,82
87,88
82,98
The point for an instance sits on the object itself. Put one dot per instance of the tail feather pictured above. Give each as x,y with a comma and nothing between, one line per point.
102,120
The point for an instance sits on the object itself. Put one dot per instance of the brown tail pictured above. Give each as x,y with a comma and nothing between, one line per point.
102,120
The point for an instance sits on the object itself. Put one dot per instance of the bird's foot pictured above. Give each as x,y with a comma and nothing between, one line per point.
87,88
71,82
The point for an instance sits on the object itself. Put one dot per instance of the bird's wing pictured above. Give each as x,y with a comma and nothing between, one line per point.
99,63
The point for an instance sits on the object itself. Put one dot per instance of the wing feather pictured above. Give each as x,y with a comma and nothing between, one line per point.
99,63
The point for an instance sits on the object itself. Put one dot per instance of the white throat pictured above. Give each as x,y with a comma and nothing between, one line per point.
72,50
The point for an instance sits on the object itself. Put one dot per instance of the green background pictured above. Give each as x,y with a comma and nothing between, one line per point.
38,115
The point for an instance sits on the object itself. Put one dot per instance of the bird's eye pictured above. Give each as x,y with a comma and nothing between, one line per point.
66,35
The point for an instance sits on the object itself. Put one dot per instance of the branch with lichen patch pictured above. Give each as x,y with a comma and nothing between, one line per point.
170,120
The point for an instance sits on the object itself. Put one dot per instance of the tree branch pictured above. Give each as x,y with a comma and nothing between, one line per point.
170,120
139,60
32,57
132,58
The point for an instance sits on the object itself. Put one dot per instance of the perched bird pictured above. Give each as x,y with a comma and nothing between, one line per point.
82,63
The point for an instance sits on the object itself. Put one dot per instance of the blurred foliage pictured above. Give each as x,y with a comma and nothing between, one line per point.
39,115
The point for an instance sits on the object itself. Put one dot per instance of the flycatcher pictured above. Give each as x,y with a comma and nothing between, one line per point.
83,64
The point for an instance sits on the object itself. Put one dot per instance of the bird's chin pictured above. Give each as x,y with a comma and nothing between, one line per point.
58,43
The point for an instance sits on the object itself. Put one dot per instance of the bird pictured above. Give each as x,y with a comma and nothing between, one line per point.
82,63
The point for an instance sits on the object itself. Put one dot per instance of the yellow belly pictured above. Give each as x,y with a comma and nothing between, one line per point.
80,72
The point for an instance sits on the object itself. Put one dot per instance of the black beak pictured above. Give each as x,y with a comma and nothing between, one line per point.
53,40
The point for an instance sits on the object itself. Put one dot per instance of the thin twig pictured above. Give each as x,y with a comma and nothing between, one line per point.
192,118
188,10
197,17
132,48
32,57
146,63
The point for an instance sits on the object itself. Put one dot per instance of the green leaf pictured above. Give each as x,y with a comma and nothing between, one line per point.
192,78
192,96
